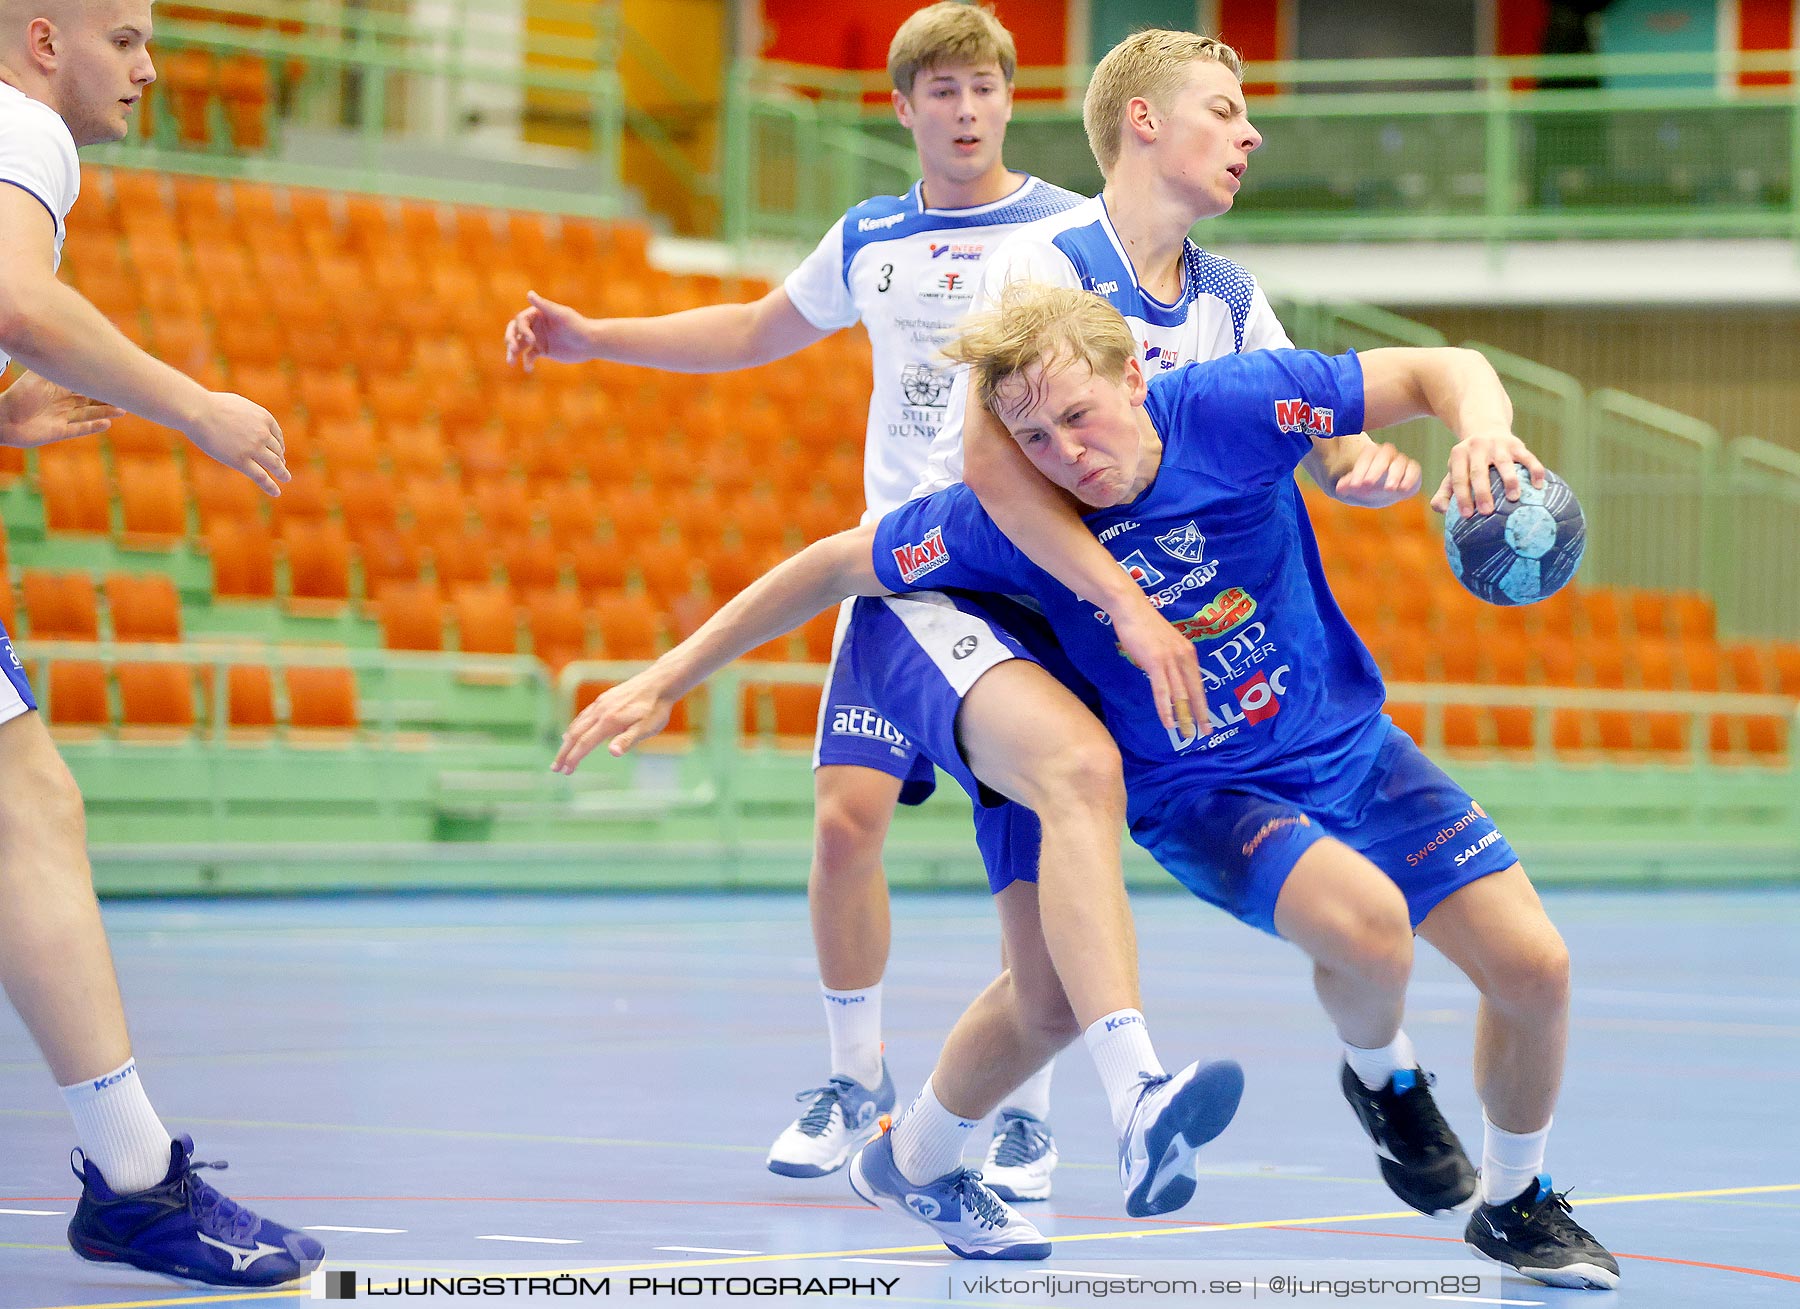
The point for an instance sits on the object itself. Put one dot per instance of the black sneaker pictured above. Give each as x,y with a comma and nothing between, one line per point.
1421,1160
1535,1233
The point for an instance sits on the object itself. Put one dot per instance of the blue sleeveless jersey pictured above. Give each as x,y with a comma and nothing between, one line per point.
1221,543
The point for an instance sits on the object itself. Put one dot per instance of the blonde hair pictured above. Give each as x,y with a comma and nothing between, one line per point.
1152,65
1041,326
947,34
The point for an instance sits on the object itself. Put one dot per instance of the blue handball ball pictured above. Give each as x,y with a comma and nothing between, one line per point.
1523,552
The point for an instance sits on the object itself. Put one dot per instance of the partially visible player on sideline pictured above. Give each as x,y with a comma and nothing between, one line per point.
70,73
1307,814
906,266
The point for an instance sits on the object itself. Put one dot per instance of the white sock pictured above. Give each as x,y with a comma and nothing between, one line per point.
1034,1096
1374,1067
853,1023
119,1130
1509,1160
1123,1055
929,1139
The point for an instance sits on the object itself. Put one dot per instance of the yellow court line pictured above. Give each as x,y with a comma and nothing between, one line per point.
937,1247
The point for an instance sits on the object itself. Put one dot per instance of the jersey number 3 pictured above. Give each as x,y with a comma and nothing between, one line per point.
887,277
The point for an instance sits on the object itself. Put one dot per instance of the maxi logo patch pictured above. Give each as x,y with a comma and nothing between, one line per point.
1141,570
1184,543
914,561
1299,416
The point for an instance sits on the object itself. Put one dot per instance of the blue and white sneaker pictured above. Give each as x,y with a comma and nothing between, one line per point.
967,1217
185,1229
842,1115
1020,1158
1174,1117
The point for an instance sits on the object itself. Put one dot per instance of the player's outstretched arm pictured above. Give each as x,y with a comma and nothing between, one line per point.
1461,390
1043,522
35,412
53,331
779,601
711,339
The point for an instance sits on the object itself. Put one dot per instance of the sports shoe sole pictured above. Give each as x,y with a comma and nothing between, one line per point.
866,1193
1196,1114
1014,1195
1574,1277
98,1252
856,1141
1399,1182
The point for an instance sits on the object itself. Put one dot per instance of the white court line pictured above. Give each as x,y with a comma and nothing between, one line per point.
703,1249
1478,1299
533,1240
36,1213
379,1231
907,1263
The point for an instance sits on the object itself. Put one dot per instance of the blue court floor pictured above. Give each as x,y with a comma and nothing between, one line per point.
592,1083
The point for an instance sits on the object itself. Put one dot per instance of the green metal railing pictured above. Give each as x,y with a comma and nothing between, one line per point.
1761,595
1464,148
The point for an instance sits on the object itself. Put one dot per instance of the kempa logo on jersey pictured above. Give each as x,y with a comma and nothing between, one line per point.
956,250
1101,288
1299,416
1185,543
859,720
1141,570
914,561
964,647
879,224
1446,834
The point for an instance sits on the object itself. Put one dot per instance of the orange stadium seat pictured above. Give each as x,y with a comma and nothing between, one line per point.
243,559
60,606
572,511
557,621
412,617
504,508
532,564
1463,727
73,483
434,506
144,607
389,557
9,604
1409,718
249,696
486,621
461,558
318,555
369,499
630,625
1750,671
78,695
133,437
796,709
156,695
152,504
330,396
599,567
1650,612
1513,726
1694,617
1787,669
321,698
1600,614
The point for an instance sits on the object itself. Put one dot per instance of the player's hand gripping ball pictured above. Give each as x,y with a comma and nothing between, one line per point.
1523,552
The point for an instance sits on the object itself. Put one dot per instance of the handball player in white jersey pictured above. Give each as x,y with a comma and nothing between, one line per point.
71,73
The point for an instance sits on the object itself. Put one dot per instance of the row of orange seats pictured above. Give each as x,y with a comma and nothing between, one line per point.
1586,733
83,694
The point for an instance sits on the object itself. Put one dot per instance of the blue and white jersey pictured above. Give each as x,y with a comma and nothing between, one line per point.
1221,310
37,155
909,274
1221,542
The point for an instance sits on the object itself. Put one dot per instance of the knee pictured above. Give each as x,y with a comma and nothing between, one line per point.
847,833
41,796
1085,774
1531,979
1375,941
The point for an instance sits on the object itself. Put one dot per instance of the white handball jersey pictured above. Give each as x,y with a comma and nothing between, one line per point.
1221,311
909,274
37,155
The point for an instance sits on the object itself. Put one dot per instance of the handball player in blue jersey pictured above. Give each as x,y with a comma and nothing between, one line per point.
1293,802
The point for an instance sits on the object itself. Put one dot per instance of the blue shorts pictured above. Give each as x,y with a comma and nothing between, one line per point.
1235,847
15,691
852,731
915,657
